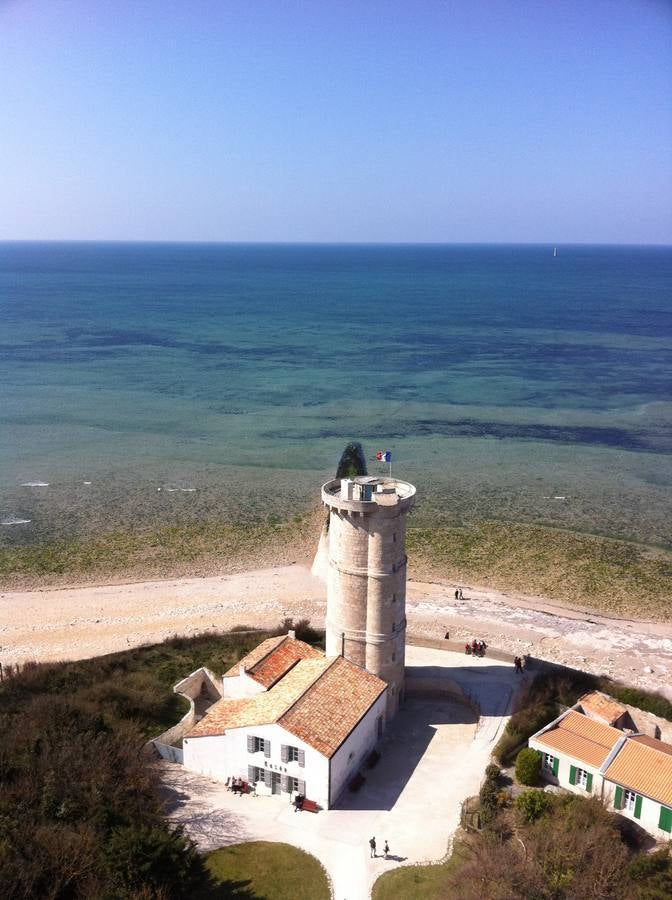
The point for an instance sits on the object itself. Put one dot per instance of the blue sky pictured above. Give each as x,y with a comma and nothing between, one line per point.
463,120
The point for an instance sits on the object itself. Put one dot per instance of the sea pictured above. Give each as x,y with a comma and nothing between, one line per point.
146,384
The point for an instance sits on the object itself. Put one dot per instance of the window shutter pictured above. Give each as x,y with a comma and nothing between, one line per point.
267,777
665,821
556,766
572,774
302,787
618,798
302,757
589,782
250,743
267,748
284,752
251,774
638,806
284,782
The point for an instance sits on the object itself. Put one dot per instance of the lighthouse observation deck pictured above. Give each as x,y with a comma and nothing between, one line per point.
366,494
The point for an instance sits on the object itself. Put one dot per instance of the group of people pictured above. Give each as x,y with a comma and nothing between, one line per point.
518,665
458,594
372,845
237,785
475,648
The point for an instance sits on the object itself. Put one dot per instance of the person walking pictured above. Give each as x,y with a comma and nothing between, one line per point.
372,845
386,849
460,595
457,593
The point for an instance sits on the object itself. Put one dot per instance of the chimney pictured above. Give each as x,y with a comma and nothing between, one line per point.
291,634
241,669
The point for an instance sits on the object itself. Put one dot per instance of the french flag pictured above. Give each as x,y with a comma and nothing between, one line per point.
384,456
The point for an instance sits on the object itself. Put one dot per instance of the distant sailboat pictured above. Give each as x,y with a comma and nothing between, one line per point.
555,251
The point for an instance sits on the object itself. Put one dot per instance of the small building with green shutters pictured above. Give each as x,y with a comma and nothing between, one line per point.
638,784
630,773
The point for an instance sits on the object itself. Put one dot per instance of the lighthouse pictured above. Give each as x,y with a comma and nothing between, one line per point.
366,579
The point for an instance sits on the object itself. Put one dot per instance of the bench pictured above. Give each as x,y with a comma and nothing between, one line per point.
310,806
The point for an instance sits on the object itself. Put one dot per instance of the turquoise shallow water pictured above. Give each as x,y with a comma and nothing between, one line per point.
507,382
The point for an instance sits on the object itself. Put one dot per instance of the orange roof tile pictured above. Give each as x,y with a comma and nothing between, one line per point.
652,742
644,769
327,713
264,708
582,738
602,705
256,655
280,660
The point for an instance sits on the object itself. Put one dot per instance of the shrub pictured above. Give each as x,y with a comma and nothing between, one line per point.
528,766
531,805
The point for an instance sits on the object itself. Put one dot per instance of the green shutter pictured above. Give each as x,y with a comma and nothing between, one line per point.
572,774
618,798
556,766
589,782
638,806
665,821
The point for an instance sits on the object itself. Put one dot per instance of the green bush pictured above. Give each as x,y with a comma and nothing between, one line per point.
528,766
531,805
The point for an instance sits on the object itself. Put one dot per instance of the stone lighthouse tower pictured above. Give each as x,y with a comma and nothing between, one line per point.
366,580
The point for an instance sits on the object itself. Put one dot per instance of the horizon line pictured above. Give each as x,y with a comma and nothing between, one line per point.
309,243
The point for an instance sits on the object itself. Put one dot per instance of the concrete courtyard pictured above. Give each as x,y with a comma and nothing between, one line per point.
432,757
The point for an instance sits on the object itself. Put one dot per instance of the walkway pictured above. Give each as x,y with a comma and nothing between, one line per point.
433,757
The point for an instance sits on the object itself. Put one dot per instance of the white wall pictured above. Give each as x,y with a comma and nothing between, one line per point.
224,756
241,685
650,814
563,771
350,756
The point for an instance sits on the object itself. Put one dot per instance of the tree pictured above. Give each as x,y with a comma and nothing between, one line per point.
528,766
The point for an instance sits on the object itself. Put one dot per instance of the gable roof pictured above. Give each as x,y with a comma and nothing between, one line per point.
652,742
272,659
582,738
598,704
327,713
644,769
263,708
319,700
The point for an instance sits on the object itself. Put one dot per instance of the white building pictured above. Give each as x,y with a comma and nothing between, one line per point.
290,720
631,773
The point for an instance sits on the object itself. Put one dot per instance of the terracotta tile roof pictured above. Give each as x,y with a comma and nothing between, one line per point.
280,660
652,742
264,708
644,769
319,699
602,705
327,713
256,655
582,738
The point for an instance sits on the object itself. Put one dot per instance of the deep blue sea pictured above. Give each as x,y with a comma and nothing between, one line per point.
167,382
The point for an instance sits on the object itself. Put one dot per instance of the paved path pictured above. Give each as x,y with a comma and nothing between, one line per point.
433,757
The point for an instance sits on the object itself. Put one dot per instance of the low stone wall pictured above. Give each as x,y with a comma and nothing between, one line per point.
419,640
168,751
417,686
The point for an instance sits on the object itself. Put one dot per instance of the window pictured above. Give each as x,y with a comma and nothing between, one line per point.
665,820
254,774
629,800
258,745
290,754
549,759
581,778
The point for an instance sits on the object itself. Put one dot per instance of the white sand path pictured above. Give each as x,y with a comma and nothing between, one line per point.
73,623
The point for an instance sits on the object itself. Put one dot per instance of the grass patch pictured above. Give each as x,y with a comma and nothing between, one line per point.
610,576
169,551
265,871
419,882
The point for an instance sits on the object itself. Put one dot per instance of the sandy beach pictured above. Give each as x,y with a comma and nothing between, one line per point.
78,622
